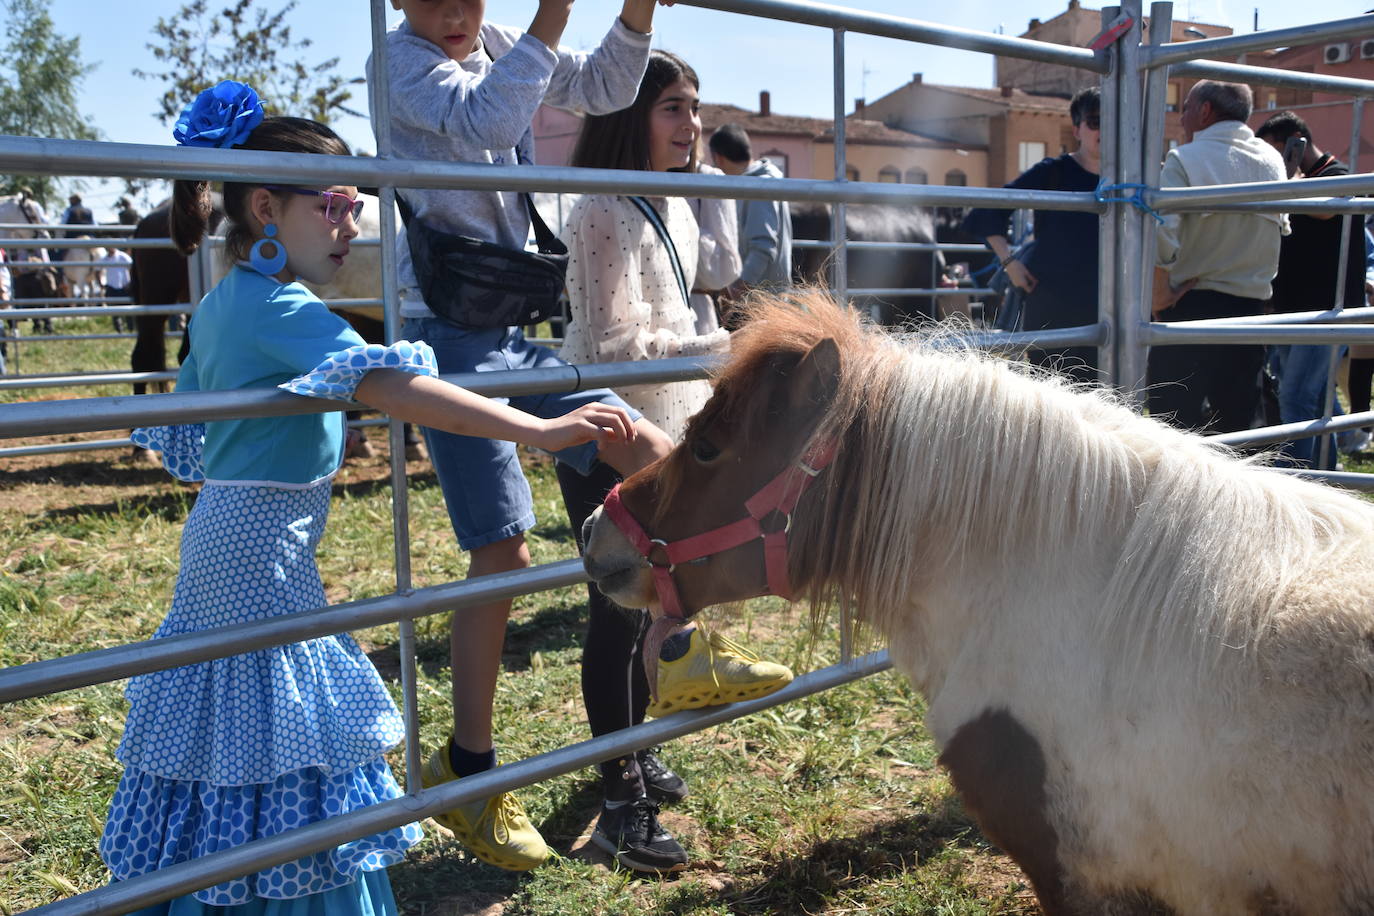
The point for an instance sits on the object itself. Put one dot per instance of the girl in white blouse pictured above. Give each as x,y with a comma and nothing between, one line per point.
627,299
631,269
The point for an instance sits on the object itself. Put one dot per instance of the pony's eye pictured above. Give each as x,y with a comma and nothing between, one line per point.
703,450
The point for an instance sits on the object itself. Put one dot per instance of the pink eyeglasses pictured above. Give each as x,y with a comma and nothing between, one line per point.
336,205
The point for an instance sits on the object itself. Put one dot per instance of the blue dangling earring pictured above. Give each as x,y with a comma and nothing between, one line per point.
264,265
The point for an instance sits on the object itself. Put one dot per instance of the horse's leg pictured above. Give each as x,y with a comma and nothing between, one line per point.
150,349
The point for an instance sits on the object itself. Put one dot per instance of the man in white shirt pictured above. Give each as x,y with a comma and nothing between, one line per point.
1214,265
117,284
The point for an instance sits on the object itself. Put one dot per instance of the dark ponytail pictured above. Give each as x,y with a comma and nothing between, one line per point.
191,201
189,218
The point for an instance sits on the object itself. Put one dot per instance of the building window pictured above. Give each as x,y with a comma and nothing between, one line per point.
779,159
1028,153
955,178
1171,98
851,172
890,173
917,176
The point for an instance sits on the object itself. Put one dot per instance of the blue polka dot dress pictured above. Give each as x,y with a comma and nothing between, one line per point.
223,752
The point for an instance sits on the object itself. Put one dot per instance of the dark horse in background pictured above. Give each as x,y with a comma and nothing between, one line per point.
884,269
158,276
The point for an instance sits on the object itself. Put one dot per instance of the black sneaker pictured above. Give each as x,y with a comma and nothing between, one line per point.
632,834
661,783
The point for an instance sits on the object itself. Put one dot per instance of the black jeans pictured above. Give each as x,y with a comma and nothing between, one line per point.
1213,387
615,689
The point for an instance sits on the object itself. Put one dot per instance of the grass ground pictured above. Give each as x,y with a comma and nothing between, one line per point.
830,805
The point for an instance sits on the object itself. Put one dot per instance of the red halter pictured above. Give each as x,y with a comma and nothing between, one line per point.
779,495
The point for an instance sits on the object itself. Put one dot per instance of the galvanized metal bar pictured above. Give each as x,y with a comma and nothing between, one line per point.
1192,332
1206,197
185,877
1273,76
915,291
866,23
58,448
122,412
33,155
96,667
1234,45
380,107
1131,279
1327,316
1132,320
1305,205
8,383
839,236
17,244
89,311
1109,159
111,229
1269,435
896,246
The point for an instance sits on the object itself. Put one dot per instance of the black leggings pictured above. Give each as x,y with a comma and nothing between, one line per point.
615,689
1361,378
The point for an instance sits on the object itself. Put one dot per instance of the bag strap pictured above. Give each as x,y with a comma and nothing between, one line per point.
656,221
544,237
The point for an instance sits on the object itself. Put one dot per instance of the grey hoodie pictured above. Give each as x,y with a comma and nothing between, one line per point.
480,110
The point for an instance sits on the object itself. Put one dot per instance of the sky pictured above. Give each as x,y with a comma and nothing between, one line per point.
736,56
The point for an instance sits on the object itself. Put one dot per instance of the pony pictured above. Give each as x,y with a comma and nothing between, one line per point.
83,280
1148,662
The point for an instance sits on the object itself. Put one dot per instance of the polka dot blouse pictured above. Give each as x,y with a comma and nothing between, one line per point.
626,303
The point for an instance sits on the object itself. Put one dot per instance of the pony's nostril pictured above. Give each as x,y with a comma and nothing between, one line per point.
588,525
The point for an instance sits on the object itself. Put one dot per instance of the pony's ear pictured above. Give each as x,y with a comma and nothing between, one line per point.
812,383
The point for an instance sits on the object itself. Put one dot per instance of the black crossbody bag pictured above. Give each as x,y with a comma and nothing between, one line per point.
475,284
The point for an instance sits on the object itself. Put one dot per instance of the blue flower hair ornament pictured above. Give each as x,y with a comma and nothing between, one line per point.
221,116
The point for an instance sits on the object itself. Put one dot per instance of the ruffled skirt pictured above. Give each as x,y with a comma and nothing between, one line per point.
223,752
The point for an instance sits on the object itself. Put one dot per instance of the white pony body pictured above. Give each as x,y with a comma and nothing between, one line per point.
1149,665
1217,760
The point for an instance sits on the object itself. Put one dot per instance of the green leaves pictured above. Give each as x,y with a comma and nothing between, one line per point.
40,77
245,41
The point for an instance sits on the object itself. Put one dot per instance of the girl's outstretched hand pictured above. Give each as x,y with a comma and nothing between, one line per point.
590,422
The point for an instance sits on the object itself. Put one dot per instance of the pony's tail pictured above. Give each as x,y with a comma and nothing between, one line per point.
189,218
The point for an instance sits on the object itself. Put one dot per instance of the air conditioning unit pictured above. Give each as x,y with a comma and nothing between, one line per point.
1336,54
1367,49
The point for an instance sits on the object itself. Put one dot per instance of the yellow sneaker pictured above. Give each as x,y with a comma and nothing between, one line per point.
495,829
714,671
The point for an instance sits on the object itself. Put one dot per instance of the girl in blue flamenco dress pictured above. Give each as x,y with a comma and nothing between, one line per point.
220,753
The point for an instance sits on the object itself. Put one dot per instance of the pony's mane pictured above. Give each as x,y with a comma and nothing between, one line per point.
958,466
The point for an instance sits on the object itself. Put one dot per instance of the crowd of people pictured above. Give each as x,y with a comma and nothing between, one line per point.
222,752
1209,265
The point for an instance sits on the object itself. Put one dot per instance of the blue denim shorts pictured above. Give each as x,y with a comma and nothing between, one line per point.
486,492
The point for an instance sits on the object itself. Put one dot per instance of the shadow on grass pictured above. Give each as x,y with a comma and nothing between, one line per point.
810,880
169,505
548,630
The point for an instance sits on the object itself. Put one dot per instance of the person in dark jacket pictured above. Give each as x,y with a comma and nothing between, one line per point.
1058,276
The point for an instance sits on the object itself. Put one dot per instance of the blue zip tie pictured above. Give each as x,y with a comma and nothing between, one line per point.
1137,199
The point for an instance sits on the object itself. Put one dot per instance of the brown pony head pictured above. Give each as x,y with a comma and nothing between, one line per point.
773,397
